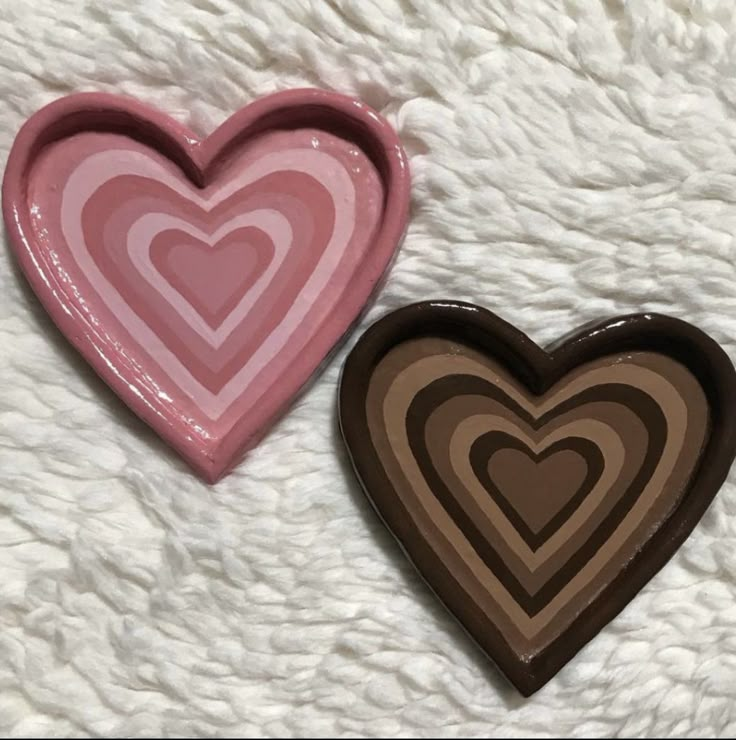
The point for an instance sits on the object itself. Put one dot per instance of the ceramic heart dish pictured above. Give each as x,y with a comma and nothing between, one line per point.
206,280
536,491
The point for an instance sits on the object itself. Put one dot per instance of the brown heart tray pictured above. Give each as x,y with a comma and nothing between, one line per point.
537,490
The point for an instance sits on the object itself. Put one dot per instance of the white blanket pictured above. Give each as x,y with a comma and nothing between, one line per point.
571,159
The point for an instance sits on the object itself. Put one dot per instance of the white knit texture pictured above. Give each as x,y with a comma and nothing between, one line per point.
571,159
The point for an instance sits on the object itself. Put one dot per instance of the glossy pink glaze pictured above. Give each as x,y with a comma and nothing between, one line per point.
206,281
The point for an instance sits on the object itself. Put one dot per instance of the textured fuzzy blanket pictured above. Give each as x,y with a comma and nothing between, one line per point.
571,159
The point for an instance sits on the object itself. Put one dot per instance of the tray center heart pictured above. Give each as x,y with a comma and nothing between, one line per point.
538,485
211,274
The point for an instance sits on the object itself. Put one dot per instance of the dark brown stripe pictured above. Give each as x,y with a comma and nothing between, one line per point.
530,571
441,390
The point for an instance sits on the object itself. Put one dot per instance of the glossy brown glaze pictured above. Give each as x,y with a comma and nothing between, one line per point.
536,491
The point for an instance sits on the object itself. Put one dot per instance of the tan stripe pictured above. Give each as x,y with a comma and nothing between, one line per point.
409,381
471,572
444,422
487,512
625,440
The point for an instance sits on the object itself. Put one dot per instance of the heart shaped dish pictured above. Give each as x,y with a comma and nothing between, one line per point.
537,491
206,280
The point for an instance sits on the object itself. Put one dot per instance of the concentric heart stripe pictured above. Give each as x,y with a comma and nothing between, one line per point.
462,442
221,287
169,279
527,588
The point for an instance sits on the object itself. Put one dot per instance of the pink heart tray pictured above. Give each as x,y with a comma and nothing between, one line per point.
206,280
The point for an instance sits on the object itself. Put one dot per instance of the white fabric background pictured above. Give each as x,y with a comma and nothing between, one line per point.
571,159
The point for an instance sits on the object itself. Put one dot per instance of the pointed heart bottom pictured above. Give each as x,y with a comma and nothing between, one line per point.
206,281
536,509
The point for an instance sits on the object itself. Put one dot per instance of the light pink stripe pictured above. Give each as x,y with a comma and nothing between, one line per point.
97,169
148,227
